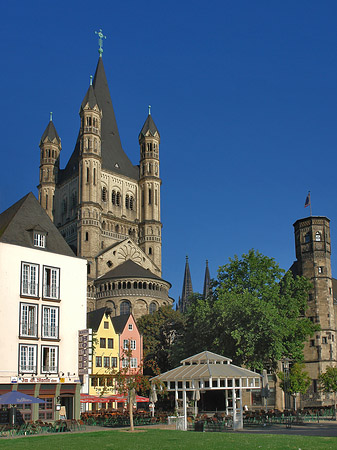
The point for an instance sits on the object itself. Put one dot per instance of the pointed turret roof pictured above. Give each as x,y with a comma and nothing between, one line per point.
50,133
207,281
90,98
149,126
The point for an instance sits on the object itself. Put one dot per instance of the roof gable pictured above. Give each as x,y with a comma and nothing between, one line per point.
18,223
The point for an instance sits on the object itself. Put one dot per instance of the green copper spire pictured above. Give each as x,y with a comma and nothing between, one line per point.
50,117
90,80
149,110
100,41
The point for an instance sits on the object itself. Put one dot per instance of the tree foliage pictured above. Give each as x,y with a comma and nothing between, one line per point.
161,332
254,314
328,380
297,381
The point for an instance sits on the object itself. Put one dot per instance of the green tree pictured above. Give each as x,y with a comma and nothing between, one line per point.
255,314
328,383
161,332
297,381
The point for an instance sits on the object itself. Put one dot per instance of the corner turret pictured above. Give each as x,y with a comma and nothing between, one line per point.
50,148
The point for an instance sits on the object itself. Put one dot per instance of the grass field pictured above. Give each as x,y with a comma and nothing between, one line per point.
167,440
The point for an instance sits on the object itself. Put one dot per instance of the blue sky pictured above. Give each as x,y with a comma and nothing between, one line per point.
243,94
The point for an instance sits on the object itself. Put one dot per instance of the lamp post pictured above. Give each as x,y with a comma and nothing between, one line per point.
285,363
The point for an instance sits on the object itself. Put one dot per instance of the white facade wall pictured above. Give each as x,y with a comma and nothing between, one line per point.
72,309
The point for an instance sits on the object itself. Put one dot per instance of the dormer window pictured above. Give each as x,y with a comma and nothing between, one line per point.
39,239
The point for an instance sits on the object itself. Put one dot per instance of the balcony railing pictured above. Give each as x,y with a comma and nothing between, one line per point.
28,329
51,332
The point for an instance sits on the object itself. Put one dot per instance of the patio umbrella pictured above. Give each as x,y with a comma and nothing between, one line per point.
16,398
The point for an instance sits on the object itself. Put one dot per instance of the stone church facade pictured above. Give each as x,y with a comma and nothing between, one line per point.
108,209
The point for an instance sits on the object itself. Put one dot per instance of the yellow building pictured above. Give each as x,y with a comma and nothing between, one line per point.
105,353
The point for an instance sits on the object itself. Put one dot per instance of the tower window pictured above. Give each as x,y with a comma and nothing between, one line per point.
307,238
318,236
150,250
118,199
131,203
320,269
104,194
150,196
88,174
127,203
113,197
86,236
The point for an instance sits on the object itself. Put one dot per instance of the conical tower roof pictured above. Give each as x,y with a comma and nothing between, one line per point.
90,98
149,126
50,133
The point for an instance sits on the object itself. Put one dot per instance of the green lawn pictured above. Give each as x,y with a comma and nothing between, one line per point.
166,440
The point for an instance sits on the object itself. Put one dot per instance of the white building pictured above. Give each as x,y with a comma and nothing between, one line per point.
42,308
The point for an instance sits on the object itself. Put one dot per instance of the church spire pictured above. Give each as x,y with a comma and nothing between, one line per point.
207,281
187,288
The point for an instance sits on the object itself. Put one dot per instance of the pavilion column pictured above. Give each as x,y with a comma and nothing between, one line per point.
185,406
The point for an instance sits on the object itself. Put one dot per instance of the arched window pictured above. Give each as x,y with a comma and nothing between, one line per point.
124,284
150,250
318,236
87,174
125,307
127,202
307,237
152,308
104,194
118,199
135,285
150,196
131,203
113,197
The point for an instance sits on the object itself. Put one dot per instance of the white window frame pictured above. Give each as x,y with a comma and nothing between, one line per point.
52,356
125,363
29,279
126,344
28,320
133,363
27,358
39,239
132,344
130,326
51,282
50,322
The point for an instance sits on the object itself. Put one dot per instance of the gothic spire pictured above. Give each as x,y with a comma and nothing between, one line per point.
207,281
50,132
187,288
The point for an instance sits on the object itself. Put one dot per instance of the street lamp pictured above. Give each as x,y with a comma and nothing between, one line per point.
286,363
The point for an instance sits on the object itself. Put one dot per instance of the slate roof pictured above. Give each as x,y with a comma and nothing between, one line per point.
94,318
50,133
119,322
129,269
150,126
114,158
26,215
89,98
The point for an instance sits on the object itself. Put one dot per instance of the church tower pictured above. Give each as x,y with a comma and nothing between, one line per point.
313,253
89,229
50,148
149,184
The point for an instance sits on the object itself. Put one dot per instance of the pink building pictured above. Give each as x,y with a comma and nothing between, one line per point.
129,337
